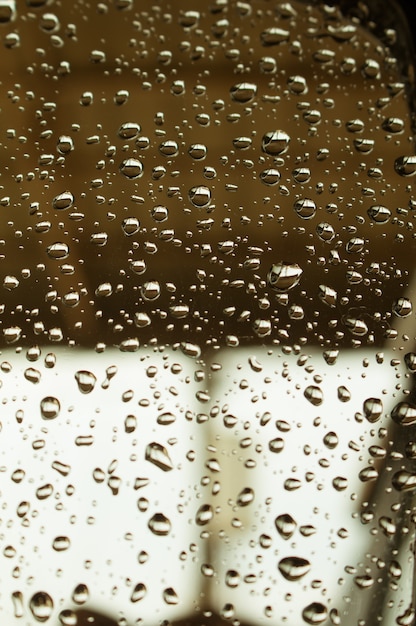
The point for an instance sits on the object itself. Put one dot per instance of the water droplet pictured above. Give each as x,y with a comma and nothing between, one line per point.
405,165
41,606
294,567
138,592
50,408
81,594
406,618
364,582
86,381
245,497
160,525
315,613
379,214
297,85
32,375
204,515
373,408
301,174
305,208
404,480
61,543
129,130
314,394
273,36
63,201
402,307
331,440
159,456
404,414
285,525
65,145
200,196
356,326
130,226
410,361
10,283
58,251
131,168
243,92
325,231
275,142
344,394
284,276
340,483
169,148
328,295
170,596
150,290
276,445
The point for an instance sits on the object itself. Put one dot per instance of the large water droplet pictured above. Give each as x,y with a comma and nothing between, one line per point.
314,394
63,201
159,456
131,168
243,92
373,408
50,407
41,606
284,276
405,165
294,567
273,36
138,592
86,381
305,208
285,525
160,525
204,514
58,251
130,226
404,414
150,290
200,196
404,480
129,130
245,497
402,307
275,142
379,214
315,613
81,594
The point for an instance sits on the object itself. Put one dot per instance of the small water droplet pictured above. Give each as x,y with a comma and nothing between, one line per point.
50,407
328,295
232,578
364,582
325,231
294,567
41,606
58,251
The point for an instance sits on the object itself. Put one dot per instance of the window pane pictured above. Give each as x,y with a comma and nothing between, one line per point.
207,325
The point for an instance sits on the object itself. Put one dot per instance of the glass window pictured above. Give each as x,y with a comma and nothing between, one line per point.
207,327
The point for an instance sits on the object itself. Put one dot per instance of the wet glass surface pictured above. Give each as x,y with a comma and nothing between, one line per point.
207,324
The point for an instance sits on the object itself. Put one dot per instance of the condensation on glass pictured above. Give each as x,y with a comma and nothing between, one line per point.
207,322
